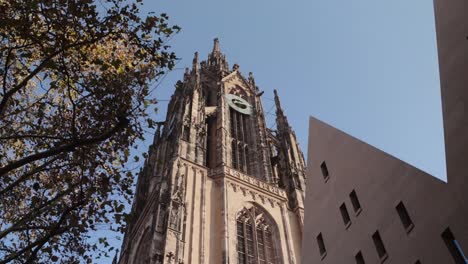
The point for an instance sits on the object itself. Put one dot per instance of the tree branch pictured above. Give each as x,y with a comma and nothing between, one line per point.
39,68
123,122
39,243
5,73
26,175
35,212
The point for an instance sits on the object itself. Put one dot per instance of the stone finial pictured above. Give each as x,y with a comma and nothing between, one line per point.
252,81
216,48
235,67
195,64
251,77
277,101
195,59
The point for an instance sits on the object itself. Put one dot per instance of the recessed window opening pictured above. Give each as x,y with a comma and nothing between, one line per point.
355,201
321,245
345,214
454,247
417,262
324,169
404,216
359,258
379,246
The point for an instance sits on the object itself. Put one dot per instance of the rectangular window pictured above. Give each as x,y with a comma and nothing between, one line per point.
321,245
345,215
359,258
379,246
454,247
355,201
404,217
324,169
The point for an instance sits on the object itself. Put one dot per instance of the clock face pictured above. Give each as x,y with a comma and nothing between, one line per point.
239,104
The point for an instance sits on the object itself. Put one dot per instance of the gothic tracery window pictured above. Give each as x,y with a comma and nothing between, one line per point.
255,244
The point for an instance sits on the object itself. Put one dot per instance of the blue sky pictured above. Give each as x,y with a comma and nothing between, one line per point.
367,67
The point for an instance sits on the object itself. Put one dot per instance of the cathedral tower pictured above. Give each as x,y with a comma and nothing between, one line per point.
218,186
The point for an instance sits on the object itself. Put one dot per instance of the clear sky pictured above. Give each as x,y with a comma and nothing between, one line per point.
364,66
367,67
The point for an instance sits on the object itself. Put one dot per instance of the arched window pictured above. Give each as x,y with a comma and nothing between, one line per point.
255,243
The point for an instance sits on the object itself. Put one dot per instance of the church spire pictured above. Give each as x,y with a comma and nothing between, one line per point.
217,59
292,157
281,120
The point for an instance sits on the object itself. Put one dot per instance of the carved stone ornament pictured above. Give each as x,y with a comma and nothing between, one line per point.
234,187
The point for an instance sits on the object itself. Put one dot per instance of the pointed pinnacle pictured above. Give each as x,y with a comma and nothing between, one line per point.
277,101
216,48
195,58
195,62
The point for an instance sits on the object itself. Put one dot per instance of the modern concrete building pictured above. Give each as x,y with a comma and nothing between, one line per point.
364,206
218,186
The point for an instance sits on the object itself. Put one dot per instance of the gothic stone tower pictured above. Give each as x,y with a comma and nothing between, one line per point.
218,186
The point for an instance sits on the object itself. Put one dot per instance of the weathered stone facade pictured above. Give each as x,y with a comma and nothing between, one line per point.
218,186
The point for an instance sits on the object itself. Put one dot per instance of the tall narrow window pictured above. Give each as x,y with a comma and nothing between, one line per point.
255,243
324,169
454,247
249,242
239,134
270,250
241,158
241,250
261,246
355,201
379,246
359,258
234,154
321,245
404,217
345,215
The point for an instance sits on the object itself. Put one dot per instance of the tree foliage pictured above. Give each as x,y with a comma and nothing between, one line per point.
74,90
